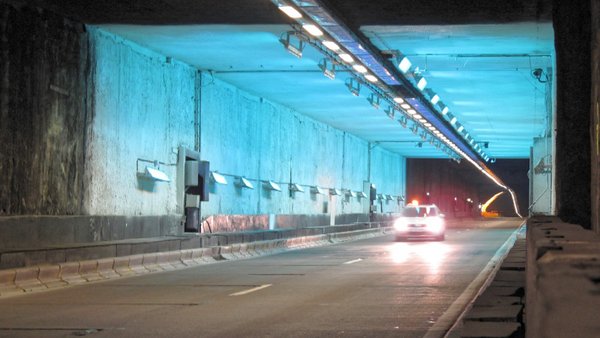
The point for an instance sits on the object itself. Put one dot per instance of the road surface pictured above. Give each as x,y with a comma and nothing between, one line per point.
368,288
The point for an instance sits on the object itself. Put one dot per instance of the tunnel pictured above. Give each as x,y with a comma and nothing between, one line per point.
134,132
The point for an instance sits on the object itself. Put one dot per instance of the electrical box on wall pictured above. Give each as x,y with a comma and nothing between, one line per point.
191,173
197,175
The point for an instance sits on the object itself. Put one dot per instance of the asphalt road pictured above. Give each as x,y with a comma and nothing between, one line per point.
368,288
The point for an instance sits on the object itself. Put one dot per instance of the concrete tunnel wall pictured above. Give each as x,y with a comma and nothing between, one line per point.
144,107
245,135
92,104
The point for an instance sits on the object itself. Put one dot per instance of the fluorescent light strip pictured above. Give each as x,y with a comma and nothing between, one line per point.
346,57
312,30
360,68
404,65
290,11
331,45
371,78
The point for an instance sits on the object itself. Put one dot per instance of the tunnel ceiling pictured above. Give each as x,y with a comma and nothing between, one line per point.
478,56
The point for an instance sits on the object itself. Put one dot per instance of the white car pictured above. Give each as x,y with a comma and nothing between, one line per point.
420,221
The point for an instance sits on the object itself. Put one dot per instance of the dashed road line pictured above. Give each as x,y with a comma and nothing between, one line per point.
353,261
245,292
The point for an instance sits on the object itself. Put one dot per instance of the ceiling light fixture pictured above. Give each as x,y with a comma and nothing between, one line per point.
290,11
331,45
353,86
312,30
360,68
404,64
328,68
346,57
421,83
371,78
374,100
288,43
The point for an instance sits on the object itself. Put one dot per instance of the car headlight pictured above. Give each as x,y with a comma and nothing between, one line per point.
400,224
435,224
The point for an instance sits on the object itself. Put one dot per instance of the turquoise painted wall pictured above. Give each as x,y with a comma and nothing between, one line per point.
145,106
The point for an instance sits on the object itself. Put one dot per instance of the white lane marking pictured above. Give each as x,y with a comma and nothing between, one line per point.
245,292
450,320
353,261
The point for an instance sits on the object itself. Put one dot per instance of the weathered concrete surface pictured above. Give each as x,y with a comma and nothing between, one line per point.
43,60
36,231
562,274
595,125
572,27
143,108
246,135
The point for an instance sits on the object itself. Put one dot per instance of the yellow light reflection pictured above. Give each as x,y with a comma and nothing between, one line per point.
484,207
431,254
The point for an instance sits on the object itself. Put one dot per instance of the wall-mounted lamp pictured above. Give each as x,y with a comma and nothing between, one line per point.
350,193
318,190
335,192
218,178
156,175
296,187
243,182
270,185
389,197
400,198
361,194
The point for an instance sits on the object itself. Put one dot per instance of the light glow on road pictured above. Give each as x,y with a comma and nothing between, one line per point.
431,254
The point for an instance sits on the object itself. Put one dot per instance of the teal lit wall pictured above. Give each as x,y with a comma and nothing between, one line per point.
145,106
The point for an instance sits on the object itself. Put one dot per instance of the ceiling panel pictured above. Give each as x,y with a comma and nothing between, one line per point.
483,73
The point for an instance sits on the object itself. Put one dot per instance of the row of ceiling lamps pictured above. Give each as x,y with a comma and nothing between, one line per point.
360,72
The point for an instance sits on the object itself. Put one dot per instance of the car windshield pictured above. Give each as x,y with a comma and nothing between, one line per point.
423,211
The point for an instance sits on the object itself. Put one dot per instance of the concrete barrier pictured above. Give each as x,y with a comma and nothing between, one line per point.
89,271
174,258
69,273
121,266
106,268
7,283
150,262
50,276
27,279
136,264
164,261
563,269
186,257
